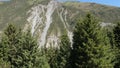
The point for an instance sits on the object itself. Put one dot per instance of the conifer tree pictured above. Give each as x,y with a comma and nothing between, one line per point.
91,47
21,49
32,56
59,57
4,64
116,32
27,52
52,54
64,52
8,42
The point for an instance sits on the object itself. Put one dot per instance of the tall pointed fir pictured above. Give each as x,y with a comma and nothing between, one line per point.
8,42
21,49
60,56
64,52
91,47
4,64
32,57
116,32
27,52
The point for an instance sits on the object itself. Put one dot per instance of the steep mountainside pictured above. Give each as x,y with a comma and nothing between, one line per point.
104,12
49,19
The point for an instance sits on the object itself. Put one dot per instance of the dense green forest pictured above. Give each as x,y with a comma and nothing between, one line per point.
93,47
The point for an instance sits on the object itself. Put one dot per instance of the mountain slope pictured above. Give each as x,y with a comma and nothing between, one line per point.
49,19
104,12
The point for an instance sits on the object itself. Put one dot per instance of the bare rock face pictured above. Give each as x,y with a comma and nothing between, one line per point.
41,22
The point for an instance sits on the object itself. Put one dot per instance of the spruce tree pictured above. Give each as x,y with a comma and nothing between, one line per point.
33,57
91,47
8,43
27,52
51,53
64,52
59,57
4,64
116,32
20,49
